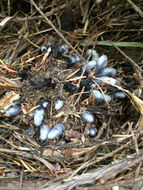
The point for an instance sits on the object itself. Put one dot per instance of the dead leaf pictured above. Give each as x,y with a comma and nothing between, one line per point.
76,151
4,21
47,152
137,103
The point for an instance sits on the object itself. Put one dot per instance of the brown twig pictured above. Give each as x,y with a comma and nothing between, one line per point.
52,12
136,8
97,160
6,83
5,67
28,155
103,173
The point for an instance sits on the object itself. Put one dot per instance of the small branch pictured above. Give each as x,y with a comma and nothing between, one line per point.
137,9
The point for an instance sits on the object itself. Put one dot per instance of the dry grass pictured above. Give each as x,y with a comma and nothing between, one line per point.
113,28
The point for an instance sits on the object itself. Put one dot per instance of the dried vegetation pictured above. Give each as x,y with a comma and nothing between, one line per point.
114,28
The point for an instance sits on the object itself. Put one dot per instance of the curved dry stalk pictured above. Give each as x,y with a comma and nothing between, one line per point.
100,174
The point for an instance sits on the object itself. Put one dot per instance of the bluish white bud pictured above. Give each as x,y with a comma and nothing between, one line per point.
106,79
87,117
74,59
39,116
63,49
119,95
44,130
59,103
101,97
107,71
102,62
92,131
13,110
91,65
56,131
